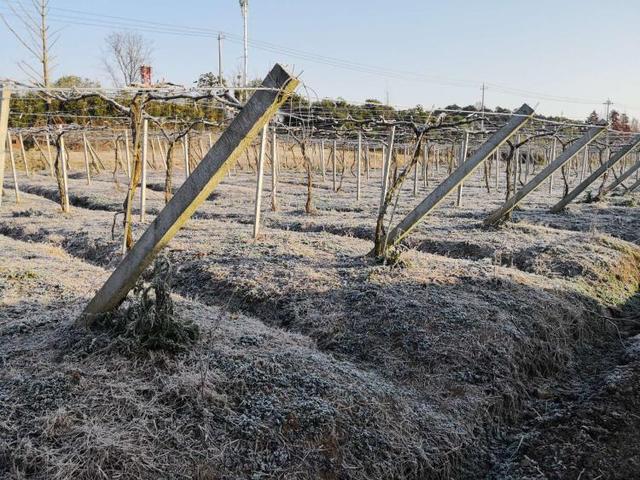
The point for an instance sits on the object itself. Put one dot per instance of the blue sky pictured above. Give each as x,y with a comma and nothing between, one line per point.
578,51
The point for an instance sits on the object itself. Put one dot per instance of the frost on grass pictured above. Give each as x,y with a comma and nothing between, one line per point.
149,321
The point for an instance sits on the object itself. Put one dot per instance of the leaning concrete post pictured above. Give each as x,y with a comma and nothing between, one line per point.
5,97
620,154
622,178
386,166
23,153
86,158
256,219
633,187
143,175
517,121
255,114
562,159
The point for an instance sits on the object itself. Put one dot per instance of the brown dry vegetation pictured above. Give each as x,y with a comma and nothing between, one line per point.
505,353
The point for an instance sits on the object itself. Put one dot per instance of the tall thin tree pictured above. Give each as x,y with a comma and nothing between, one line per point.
34,35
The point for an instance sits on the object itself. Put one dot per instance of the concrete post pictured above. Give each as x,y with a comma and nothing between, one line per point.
153,163
415,177
528,163
551,157
386,167
185,149
461,159
65,179
5,97
258,206
367,162
622,178
620,154
87,168
359,167
516,164
143,176
425,165
274,172
522,116
23,153
127,156
633,187
334,163
585,160
48,139
256,113
322,162
562,159
497,168
16,188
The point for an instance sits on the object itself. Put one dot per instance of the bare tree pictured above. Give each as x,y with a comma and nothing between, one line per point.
36,38
125,53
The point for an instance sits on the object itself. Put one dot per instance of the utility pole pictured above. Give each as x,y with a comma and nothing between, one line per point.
220,38
244,5
607,104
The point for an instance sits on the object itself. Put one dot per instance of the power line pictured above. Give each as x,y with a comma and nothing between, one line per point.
79,17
